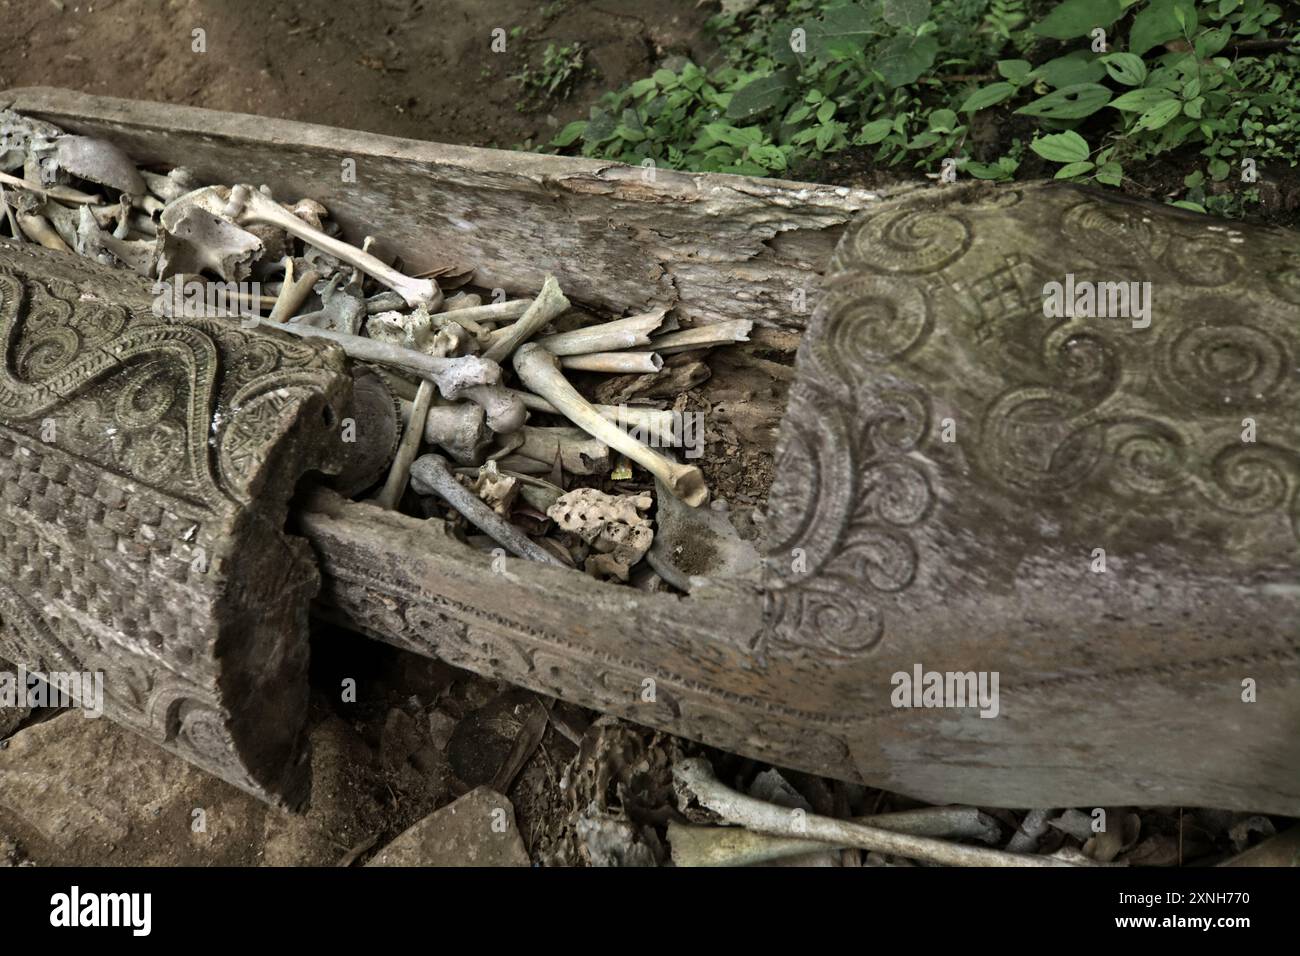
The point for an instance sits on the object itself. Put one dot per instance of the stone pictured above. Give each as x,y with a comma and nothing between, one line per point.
476,830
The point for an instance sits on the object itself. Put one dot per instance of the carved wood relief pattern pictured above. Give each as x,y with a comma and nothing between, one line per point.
130,447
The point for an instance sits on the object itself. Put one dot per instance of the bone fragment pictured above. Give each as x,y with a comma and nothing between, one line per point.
606,337
430,475
458,428
549,305
695,781
538,369
579,453
38,229
243,204
293,292
614,362
399,472
61,193
657,421
455,377
703,337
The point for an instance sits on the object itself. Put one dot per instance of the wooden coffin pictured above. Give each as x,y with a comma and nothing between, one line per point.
963,485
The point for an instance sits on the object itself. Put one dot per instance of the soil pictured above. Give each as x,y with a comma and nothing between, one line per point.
424,69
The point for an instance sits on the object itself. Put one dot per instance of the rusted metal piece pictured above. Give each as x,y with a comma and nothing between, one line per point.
147,465
951,464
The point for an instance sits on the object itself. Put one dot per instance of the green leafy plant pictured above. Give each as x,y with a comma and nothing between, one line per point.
560,69
1090,89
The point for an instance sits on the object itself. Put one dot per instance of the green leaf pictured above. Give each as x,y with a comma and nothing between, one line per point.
906,14
825,112
1159,115
1139,101
1068,147
875,131
1185,204
1219,170
1111,174
1073,170
1125,68
1071,102
1016,71
1075,18
844,31
987,96
1081,66
905,58
943,121
570,133
1002,170
600,127
761,95
1158,22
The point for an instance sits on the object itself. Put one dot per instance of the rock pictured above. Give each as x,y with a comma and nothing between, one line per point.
476,830
81,792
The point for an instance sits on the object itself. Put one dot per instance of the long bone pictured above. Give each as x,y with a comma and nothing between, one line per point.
539,370
694,780
658,421
455,377
607,337
244,205
430,475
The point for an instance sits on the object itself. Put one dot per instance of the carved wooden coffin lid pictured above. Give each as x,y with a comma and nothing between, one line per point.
147,464
1104,510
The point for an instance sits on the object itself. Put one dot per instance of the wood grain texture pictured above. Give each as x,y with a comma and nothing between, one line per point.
710,247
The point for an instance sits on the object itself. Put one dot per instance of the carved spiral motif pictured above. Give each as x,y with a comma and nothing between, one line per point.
897,492
1250,481
884,557
910,241
1113,231
1202,260
1033,440
1150,460
1219,367
871,320
43,355
151,452
146,398
843,620
897,421
1285,282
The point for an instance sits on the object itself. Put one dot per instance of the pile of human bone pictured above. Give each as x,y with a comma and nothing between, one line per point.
493,435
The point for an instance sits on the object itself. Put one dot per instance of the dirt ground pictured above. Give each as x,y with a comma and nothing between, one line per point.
419,68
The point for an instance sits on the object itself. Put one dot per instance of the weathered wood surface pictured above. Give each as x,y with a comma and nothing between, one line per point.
147,465
711,247
889,547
